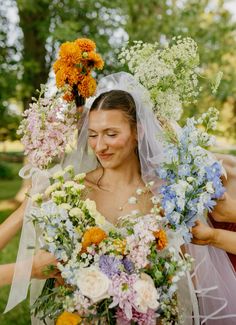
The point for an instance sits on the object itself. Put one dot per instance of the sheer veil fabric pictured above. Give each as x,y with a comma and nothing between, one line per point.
150,154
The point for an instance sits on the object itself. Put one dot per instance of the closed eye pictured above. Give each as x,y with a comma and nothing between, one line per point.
92,135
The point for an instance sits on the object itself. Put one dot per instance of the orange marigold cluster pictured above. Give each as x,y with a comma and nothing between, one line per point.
161,239
67,318
74,67
93,235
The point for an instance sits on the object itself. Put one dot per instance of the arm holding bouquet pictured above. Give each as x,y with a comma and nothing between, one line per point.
43,267
206,235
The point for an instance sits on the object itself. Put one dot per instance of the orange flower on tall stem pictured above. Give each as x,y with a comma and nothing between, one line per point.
74,68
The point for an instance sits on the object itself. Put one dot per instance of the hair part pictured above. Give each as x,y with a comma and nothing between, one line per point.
119,100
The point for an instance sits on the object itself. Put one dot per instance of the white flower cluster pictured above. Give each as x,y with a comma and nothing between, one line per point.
168,73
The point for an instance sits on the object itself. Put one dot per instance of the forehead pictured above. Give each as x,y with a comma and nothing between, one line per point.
104,119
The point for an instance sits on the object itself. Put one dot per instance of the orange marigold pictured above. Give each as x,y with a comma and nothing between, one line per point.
93,235
70,53
87,87
60,78
161,239
85,44
93,60
67,318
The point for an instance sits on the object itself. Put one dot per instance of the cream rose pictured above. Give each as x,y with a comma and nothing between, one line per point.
146,294
93,283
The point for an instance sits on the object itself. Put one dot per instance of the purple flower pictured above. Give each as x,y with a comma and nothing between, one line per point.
128,265
110,265
213,171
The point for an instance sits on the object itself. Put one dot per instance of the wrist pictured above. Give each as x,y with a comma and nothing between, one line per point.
214,237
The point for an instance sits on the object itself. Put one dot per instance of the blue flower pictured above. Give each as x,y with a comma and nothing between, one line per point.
213,171
110,265
128,265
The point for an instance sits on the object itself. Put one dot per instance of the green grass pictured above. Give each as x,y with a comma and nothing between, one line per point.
9,187
20,315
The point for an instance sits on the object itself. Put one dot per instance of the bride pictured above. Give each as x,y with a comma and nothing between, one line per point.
118,148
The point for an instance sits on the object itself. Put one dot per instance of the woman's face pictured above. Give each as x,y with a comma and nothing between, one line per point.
111,137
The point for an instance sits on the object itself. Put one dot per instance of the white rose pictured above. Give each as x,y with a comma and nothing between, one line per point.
93,283
147,295
210,188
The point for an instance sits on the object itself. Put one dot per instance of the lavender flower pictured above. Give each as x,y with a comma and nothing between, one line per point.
110,265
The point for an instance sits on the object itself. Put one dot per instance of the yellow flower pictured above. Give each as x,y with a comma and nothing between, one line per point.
161,239
67,318
85,44
93,235
87,87
120,245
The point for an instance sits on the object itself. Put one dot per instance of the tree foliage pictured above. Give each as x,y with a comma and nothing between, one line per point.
45,24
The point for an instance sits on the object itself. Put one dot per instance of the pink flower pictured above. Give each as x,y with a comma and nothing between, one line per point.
123,293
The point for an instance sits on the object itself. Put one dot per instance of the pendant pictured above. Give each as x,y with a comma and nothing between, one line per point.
120,208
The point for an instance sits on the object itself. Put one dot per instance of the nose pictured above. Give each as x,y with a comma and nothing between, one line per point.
100,144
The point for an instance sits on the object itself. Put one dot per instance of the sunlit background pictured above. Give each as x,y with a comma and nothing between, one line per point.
31,32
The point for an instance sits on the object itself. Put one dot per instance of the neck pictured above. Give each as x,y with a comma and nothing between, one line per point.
127,173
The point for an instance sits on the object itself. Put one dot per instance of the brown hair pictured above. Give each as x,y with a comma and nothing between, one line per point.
117,99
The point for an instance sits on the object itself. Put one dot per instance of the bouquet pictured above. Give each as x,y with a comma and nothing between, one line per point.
168,73
49,124
47,128
74,68
192,174
123,275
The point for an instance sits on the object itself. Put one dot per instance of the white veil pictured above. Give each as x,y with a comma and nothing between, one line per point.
83,159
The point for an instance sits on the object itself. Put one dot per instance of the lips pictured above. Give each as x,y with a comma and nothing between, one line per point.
105,156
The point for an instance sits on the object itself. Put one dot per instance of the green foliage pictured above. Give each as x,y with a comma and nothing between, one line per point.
45,24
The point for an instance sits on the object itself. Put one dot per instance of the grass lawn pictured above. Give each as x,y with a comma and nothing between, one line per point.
20,314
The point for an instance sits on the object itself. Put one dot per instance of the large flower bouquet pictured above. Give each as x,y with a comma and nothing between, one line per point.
192,174
122,275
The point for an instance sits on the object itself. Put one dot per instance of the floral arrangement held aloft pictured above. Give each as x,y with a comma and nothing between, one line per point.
192,174
168,73
74,68
47,128
122,275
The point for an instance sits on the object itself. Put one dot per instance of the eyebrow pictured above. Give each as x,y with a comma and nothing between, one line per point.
107,129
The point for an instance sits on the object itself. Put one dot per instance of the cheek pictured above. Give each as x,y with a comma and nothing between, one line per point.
123,142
